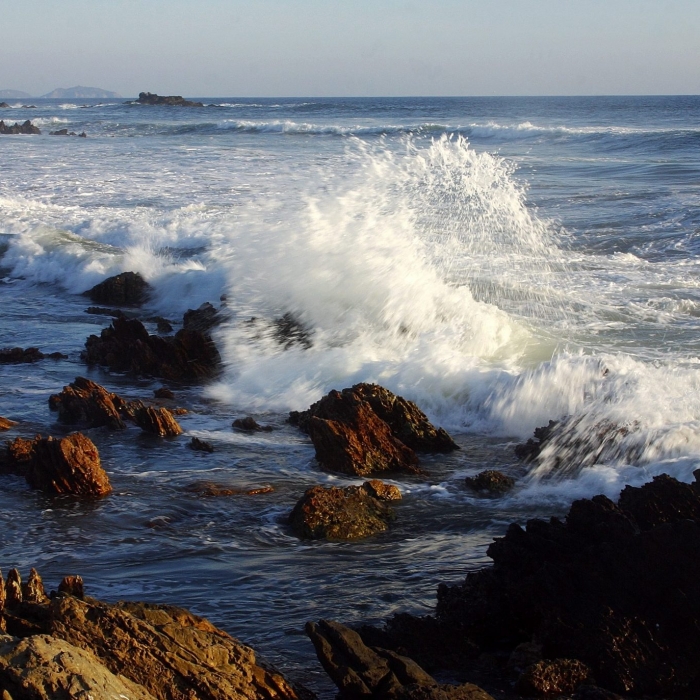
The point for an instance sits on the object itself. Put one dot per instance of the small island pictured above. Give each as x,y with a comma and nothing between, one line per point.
150,98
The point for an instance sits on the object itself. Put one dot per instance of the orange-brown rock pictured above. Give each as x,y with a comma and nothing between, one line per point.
6,423
86,402
69,465
211,488
33,591
334,513
72,585
382,491
158,421
13,589
553,678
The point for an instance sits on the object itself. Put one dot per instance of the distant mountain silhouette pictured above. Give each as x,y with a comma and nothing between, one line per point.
80,91
13,94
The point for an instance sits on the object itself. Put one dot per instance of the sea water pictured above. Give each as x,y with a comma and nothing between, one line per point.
503,262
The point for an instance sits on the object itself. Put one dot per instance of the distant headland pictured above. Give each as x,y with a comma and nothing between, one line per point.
79,91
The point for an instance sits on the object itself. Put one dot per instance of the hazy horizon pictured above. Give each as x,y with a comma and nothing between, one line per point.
292,48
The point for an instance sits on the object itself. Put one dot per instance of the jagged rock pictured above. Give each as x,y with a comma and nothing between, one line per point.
615,586
158,421
202,319
33,591
6,423
25,128
42,667
250,425
86,402
127,346
491,482
102,311
13,356
69,465
334,513
72,585
558,677
382,491
363,672
13,589
163,393
150,98
200,445
211,488
125,289
350,437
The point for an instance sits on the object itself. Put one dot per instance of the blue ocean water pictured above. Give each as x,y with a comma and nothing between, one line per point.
501,261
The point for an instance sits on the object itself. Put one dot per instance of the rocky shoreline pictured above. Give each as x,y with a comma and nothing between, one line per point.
601,604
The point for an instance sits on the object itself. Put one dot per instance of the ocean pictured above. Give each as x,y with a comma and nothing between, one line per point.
502,262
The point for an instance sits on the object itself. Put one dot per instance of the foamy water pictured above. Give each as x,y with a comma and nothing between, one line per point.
501,262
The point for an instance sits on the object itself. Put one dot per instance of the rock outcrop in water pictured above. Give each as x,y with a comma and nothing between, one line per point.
82,648
378,674
366,429
25,128
150,98
6,423
127,346
490,482
69,465
125,289
349,513
613,587
17,356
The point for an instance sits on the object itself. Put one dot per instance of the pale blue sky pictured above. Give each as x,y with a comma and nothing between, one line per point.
353,47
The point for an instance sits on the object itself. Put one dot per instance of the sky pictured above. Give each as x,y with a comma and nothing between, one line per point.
320,48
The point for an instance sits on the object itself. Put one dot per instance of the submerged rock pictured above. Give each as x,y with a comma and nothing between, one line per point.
164,393
150,98
69,465
125,289
367,429
200,445
25,128
250,425
334,513
6,423
490,481
360,671
211,488
15,356
127,346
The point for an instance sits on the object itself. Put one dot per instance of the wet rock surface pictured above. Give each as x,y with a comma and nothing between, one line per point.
127,346
125,289
6,423
250,425
613,586
158,421
200,445
360,671
86,402
202,319
25,128
68,647
214,489
490,482
15,356
69,465
334,513
558,677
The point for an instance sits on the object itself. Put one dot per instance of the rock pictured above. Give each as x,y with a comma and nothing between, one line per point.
19,356
127,346
289,331
13,589
491,482
72,585
211,488
33,590
200,445
524,655
360,671
6,423
334,513
4,105
42,667
382,491
614,586
158,421
164,326
88,403
350,437
102,311
202,319
26,128
558,677
125,289
249,425
65,132
149,98
164,393
69,465
593,692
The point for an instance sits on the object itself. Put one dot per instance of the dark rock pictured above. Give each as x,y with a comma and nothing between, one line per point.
164,393
13,589
127,346
149,98
102,311
25,128
200,445
616,587
524,655
558,677
250,425
202,319
125,289
72,585
593,692
164,326
13,356
490,481
69,465
363,672
334,513
88,403
65,132
6,423
158,421
212,489
289,331
531,449
4,105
